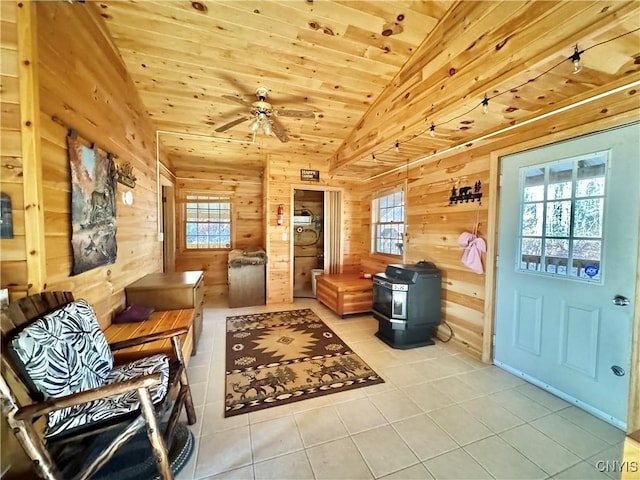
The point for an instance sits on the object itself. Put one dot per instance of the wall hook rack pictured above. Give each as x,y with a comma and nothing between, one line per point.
466,194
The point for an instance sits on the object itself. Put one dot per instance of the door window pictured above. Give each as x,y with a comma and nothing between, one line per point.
561,217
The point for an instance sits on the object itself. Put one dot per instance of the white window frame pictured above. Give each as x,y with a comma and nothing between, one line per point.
209,217
376,208
570,271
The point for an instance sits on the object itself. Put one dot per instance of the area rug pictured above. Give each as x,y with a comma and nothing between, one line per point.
281,357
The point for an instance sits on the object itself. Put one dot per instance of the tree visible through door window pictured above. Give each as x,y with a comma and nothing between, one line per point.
388,223
561,217
208,222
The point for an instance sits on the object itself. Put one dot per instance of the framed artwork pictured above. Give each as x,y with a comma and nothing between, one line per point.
93,206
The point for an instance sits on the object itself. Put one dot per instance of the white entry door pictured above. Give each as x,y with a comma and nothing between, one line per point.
567,254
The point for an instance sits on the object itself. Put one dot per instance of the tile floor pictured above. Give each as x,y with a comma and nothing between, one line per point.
439,414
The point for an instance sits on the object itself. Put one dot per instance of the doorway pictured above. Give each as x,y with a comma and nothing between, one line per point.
566,276
308,240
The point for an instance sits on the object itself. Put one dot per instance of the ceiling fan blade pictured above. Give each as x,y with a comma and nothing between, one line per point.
237,100
279,130
296,113
227,126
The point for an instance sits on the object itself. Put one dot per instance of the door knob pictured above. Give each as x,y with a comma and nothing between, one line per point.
620,301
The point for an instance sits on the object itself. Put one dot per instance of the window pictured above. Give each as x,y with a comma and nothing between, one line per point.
208,222
561,217
388,223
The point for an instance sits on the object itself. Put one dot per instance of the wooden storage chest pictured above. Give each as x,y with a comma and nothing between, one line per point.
345,293
171,291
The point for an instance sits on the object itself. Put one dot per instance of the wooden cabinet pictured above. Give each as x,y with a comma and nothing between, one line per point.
246,286
246,277
171,291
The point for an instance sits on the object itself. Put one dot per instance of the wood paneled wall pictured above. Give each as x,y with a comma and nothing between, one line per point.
245,191
282,176
84,85
433,226
13,255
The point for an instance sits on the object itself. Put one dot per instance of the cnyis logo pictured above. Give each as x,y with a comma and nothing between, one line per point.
610,466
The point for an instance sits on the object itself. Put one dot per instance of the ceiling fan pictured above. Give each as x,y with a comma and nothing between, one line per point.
264,116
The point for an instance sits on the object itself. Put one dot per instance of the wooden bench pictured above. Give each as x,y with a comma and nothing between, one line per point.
345,293
160,321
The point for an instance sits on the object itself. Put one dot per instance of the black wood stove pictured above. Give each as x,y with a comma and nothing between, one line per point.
406,303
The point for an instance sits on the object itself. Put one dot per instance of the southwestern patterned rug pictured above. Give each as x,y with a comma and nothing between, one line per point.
281,357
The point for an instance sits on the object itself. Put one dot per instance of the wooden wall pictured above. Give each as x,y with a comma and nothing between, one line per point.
13,255
433,225
245,191
84,85
282,176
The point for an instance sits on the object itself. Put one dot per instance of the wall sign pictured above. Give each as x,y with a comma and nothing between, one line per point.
312,175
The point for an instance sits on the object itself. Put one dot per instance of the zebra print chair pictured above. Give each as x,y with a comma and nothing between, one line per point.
55,347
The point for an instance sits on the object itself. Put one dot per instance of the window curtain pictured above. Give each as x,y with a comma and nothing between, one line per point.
333,206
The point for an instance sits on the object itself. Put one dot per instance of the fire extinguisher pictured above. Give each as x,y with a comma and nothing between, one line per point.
280,214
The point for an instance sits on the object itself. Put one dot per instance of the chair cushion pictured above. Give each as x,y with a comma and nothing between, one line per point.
108,409
64,351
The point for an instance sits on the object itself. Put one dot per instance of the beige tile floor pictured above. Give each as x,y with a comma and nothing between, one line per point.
439,414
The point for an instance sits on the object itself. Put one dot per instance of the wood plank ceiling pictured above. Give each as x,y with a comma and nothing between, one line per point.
368,90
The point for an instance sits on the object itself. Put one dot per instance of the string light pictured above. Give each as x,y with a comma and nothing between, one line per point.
575,58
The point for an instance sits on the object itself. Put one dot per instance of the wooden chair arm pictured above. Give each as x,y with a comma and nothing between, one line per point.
152,337
29,412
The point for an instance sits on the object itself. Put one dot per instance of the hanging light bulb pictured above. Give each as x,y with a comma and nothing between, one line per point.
485,105
432,130
254,126
575,58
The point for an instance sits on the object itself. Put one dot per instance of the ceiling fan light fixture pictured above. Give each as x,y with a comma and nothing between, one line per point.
266,127
262,116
